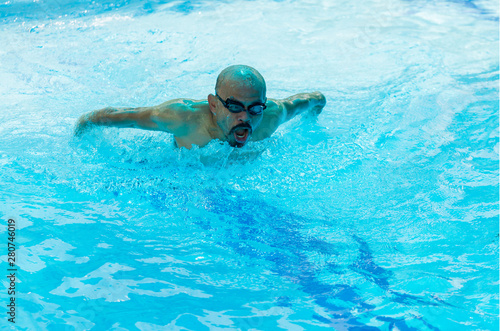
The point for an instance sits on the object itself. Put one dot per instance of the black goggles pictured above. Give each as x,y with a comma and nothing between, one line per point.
236,107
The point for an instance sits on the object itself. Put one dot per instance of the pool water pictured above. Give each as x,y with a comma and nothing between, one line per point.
381,214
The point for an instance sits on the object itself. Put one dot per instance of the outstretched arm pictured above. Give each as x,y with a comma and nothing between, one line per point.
165,117
280,111
298,103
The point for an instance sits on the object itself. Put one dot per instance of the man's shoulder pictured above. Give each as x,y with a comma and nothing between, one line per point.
275,109
180,116
184,106
187,111
271,120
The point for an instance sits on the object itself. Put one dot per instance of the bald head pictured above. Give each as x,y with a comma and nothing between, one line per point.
238,76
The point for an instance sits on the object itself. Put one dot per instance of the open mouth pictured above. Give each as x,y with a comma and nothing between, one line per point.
241,133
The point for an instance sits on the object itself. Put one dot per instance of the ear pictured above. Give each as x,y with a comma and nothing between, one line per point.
212,101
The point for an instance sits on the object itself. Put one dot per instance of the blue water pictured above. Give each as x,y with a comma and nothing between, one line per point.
382,214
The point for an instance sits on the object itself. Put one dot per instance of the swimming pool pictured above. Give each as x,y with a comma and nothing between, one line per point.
382,214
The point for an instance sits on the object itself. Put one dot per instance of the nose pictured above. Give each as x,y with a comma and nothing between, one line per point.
243,116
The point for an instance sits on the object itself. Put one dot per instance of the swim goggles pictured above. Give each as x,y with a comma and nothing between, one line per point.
236,107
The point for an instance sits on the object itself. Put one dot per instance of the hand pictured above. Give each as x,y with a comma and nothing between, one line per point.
82,125
320,103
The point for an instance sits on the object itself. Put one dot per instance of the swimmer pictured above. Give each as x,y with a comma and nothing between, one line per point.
237,113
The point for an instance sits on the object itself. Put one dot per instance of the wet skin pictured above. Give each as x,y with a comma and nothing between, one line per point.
197,122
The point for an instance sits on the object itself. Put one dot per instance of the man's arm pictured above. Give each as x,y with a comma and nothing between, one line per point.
165,117
280,111
298,103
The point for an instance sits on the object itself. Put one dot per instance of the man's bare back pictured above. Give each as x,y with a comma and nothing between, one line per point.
237,113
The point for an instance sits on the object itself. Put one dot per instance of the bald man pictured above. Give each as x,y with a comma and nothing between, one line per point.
237,113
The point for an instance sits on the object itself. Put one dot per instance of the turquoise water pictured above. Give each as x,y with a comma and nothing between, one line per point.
380,215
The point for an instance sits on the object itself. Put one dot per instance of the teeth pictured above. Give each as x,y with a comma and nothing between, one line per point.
240,133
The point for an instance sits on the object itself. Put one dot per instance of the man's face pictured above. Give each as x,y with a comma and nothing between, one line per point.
238,127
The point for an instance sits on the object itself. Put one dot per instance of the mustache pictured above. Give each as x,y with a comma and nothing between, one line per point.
242,126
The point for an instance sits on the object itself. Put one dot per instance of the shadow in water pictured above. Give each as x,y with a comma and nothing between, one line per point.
259,230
